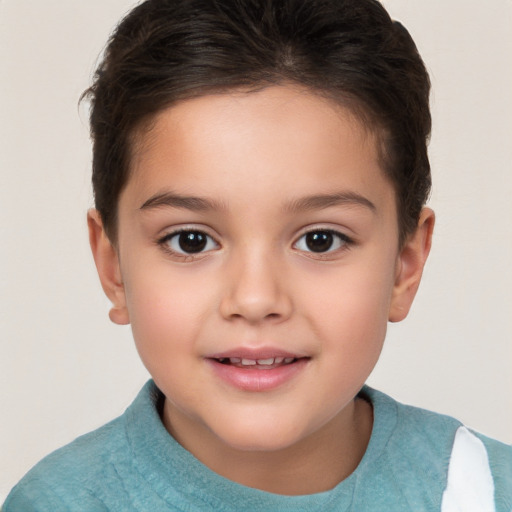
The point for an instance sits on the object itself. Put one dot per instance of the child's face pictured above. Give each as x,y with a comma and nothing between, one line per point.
258,226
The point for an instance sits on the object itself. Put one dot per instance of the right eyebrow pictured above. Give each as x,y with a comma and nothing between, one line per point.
174,200
321,201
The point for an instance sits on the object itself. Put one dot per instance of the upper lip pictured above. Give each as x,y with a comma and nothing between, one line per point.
255,353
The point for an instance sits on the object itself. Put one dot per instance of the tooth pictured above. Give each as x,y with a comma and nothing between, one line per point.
248,362
279,360
288,360
266,361
235,360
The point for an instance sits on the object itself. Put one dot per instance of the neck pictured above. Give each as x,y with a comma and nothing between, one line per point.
314,464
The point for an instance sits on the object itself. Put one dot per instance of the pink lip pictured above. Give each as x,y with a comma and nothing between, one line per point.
256,378
254,353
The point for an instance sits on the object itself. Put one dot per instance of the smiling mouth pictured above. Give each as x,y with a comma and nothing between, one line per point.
258,364
257,371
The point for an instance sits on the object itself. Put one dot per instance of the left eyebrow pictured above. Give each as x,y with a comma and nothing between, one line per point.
175,200
321,201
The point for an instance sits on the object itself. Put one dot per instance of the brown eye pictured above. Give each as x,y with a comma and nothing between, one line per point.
322,240
190,242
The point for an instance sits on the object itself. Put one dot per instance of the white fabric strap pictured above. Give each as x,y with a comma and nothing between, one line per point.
470,486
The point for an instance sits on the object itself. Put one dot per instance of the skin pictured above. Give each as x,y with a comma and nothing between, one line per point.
267,167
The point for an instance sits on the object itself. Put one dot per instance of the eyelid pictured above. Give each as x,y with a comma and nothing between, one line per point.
329,228
180,228
170,233
346,241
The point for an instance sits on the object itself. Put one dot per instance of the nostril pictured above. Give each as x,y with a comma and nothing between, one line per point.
255,301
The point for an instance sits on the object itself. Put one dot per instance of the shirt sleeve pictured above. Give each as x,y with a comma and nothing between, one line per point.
35,496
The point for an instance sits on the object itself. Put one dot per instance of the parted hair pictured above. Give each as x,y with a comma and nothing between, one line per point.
349,51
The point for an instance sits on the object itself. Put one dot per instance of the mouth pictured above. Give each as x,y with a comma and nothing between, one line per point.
267,363
257,371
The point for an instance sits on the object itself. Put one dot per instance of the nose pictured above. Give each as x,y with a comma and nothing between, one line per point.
256,290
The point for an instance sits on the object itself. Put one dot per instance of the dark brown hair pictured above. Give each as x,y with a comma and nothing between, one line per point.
351,51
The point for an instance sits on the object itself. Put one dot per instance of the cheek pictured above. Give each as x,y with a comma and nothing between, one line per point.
166,312
359,293
350,310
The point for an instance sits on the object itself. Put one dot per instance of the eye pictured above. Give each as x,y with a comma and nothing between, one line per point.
189,242
321,241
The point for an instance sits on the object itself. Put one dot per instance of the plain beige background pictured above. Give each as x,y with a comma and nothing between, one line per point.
64,369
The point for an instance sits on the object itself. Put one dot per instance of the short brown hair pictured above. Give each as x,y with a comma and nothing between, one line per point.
351,51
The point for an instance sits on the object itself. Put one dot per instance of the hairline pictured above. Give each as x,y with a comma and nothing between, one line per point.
351,105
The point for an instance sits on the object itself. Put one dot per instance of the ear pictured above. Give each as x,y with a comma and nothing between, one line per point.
107,263
410,263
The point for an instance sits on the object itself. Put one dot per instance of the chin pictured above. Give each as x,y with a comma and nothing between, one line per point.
259,437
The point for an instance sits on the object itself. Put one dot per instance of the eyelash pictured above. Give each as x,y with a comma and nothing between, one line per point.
164,243
341,242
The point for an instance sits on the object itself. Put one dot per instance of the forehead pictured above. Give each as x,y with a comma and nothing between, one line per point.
285,136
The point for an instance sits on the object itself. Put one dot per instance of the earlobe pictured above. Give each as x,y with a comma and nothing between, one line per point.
107,264
410,263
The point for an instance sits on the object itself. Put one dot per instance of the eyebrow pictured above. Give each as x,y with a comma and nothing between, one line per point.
174,200
321,201
313,202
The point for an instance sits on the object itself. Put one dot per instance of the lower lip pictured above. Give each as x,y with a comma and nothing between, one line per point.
252,379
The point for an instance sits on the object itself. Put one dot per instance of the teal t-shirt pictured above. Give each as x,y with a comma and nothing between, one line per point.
416,461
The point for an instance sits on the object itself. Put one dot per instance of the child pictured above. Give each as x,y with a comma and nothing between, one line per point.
260,174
